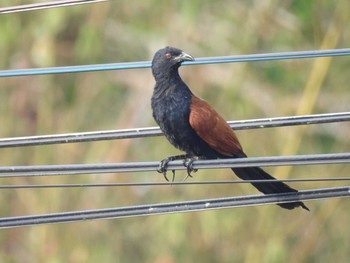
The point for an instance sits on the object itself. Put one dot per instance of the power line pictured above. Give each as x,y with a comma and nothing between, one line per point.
165,208
73,169
45,5
155,131
175,207
148,184
199,61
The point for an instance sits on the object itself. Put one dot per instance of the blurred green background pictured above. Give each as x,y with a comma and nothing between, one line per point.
120,31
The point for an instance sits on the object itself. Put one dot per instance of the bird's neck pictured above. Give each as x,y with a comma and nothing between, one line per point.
167,76
170,83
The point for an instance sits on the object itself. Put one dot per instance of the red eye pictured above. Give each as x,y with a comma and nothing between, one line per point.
167,55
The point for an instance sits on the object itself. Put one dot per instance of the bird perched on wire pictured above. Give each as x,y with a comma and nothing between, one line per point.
193,126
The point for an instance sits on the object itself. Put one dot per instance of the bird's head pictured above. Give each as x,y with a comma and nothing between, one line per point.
168,59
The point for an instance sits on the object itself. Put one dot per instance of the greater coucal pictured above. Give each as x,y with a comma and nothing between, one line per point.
193,126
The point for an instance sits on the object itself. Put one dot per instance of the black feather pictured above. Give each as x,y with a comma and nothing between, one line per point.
171,104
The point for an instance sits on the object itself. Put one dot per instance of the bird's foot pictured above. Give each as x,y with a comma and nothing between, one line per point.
163,165
188,163
163,168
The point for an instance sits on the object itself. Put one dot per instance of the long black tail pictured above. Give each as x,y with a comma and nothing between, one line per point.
256,173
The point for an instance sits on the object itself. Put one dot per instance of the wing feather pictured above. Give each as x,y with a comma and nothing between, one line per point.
213,129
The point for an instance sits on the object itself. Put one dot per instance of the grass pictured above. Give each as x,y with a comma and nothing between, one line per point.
119,31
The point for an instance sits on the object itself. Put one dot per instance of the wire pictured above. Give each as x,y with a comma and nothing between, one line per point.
155,131
175,207
199,61
165,208
147,184
39,6
50,170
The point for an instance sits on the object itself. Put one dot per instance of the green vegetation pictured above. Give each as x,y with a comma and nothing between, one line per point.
119,31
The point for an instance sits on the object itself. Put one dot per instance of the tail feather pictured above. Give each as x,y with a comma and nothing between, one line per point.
256,173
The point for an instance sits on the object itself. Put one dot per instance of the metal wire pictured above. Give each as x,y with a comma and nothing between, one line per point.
50,170
46,5
206,204
175,207
148,184
165,208
199,61
155,131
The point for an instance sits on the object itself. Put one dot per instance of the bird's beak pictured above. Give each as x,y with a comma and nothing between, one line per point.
184,57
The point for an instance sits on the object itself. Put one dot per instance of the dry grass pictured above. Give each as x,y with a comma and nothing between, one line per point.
130,31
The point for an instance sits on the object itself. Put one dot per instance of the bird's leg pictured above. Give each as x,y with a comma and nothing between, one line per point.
188,163
163,165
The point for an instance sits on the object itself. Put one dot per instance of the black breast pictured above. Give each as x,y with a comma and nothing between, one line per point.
171,110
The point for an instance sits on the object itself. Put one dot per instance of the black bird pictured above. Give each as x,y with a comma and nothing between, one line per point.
193,126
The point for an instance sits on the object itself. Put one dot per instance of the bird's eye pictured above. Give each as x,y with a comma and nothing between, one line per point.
167,55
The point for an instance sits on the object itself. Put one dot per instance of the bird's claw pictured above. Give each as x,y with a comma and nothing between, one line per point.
188,163
163,168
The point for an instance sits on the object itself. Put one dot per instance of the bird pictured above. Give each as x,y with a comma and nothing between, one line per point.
193,126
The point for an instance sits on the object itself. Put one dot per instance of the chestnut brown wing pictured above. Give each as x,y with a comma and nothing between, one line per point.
213,129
